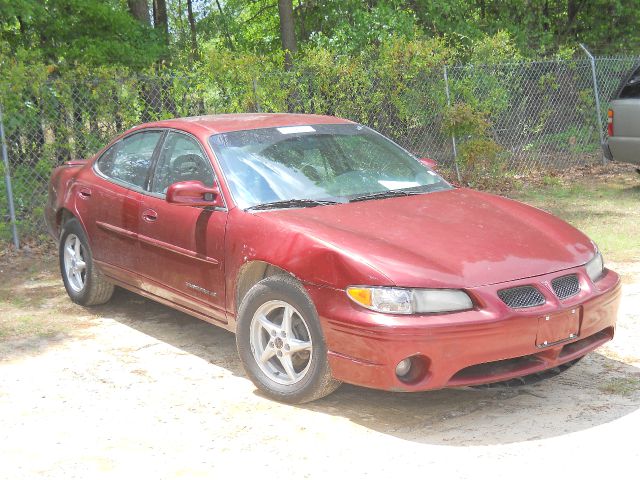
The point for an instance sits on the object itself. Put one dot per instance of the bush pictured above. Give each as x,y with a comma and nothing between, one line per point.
481,159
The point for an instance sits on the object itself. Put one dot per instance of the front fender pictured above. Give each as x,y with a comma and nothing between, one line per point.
314,261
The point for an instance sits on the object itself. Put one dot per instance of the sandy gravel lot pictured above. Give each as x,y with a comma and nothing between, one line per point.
136,389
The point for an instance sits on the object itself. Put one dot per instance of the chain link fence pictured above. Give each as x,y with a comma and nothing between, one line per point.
541,114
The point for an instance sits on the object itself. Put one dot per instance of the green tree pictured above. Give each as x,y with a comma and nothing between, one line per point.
67,33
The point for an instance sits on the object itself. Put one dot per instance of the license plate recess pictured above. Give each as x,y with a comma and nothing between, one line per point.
558,327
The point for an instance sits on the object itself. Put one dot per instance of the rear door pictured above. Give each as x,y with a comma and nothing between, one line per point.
114,197
625,141
181,248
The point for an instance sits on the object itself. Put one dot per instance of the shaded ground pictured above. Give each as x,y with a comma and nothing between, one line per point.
134,388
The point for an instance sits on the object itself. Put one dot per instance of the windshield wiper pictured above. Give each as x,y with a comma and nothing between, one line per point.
387,194
293,203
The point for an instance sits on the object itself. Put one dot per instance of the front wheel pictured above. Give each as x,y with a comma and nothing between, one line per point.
281,344
84,283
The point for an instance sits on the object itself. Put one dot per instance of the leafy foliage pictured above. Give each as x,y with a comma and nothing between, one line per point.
480,156
70,33
76,72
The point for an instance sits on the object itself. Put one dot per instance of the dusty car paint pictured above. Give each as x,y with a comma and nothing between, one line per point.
196,259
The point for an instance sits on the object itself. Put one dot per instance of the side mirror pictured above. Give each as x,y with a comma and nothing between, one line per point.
193,193
429,162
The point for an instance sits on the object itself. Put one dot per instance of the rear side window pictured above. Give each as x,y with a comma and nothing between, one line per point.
631,86
129,159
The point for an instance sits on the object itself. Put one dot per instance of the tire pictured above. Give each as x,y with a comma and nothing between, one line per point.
84,283
287,360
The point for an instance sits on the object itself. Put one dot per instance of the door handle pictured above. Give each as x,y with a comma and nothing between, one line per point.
149,215
84,193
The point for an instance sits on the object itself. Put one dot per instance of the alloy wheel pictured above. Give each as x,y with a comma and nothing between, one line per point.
74,263
280,342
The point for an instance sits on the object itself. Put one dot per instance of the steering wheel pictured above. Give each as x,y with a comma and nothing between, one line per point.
189,166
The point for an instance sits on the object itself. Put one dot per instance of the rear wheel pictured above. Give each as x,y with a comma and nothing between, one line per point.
83,281
281,344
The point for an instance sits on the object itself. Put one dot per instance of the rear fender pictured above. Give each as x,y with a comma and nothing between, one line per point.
62,196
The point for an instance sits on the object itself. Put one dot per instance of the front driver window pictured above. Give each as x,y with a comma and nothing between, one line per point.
128,160
181,159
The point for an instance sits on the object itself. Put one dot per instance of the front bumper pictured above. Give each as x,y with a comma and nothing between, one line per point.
623,149
488,344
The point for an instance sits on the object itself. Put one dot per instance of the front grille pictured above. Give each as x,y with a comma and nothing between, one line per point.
521,297
566,286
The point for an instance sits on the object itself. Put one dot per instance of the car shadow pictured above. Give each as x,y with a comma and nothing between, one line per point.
596,391
197,337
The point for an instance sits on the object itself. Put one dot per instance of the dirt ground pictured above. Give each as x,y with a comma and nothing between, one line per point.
133,388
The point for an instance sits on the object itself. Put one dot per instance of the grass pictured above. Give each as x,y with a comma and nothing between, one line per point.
27,287
604,206
624,386
35,325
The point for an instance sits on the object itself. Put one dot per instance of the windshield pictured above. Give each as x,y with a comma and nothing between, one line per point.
333,163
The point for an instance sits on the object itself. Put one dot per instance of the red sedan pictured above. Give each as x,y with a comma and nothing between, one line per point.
331,252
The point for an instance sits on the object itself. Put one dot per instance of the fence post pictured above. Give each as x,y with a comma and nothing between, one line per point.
597,96
453,137
7,179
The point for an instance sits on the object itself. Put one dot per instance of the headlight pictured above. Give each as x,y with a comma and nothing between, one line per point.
406,301
595,267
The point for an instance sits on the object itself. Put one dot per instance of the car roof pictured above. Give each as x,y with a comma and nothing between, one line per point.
231,122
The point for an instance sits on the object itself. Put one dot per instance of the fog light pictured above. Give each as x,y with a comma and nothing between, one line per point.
402,369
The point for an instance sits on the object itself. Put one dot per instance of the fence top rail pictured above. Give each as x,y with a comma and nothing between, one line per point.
558,61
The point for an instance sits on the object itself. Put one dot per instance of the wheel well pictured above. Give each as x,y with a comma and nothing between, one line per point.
251,273
62,216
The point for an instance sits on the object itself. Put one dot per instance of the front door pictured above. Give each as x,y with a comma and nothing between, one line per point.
181,248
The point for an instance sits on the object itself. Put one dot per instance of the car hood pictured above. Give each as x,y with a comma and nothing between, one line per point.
454,238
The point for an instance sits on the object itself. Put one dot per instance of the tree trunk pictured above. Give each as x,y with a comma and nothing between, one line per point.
573,8
160,20
78,105
23,29
287,32
546,20
192,28
140,10
61,135
38,135
301,12
224,26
